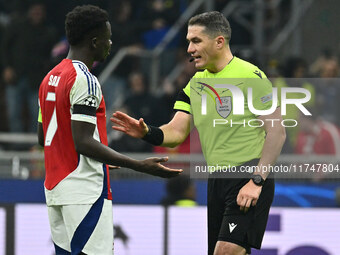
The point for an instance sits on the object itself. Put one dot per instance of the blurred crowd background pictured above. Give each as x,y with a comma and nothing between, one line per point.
295,42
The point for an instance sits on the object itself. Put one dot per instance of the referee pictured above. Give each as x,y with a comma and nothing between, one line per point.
238,208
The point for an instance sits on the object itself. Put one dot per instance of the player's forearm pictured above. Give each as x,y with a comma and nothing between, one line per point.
271,150
85,144
98,151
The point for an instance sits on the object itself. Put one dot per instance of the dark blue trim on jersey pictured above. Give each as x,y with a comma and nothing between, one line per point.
105,192
78,159
90,76
60,251
86,227
79,62
92,87
82,66
87,77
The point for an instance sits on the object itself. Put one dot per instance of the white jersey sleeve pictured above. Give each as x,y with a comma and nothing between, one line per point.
85,94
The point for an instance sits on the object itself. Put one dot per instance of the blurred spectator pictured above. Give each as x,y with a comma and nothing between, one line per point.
28,42
330,69
180,191
126,32
170,90
188,71
328,94
325,65
317,136
138,104
59,51
167,101
294,73
126,29
159,16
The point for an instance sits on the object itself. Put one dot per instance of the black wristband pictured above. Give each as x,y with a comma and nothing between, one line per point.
155,136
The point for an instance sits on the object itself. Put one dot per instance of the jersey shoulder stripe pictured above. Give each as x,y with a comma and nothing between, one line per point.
91,80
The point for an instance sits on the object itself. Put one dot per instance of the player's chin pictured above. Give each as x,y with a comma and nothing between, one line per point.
104,57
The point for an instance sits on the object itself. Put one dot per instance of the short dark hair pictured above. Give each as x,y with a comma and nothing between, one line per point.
214,22
82,20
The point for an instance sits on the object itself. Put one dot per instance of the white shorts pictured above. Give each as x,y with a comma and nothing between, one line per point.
82,228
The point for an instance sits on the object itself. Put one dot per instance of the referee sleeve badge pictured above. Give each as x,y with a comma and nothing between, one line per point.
267,98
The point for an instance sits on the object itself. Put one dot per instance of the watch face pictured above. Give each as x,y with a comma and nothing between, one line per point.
257,179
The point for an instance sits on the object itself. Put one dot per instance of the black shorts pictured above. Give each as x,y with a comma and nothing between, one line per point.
225,220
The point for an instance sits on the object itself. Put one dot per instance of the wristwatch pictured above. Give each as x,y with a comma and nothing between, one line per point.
257,179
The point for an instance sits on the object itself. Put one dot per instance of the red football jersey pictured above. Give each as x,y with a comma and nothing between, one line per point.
71,178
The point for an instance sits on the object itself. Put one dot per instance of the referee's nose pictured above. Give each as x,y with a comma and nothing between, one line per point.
191,48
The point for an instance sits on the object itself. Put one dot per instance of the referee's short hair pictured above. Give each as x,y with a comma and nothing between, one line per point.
82,20
214,22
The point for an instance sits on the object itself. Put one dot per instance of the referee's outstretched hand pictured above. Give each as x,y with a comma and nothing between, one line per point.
154,167
129,125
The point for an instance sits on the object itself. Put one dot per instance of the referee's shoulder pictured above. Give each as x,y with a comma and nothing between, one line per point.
250,70
199,74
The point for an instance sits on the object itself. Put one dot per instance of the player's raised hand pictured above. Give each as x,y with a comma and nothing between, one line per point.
154,167
129,125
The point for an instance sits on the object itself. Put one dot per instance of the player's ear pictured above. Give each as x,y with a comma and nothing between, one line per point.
220,42
94,42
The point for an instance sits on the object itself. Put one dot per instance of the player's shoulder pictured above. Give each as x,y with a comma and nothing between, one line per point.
59,74
84,75
246,69
82,70
64,68
197,75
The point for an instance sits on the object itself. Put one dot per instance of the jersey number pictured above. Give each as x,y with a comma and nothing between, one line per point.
53,125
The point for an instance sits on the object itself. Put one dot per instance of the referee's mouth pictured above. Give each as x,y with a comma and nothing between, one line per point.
196,58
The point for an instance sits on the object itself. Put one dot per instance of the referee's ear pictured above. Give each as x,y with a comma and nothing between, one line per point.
220,42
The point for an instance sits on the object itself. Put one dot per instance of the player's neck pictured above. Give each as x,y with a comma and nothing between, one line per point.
220,63
80,54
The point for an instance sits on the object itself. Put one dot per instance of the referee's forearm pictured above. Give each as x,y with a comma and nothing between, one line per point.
172,138
271,150
177,130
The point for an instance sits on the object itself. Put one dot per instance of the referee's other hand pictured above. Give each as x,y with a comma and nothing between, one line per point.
248,196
